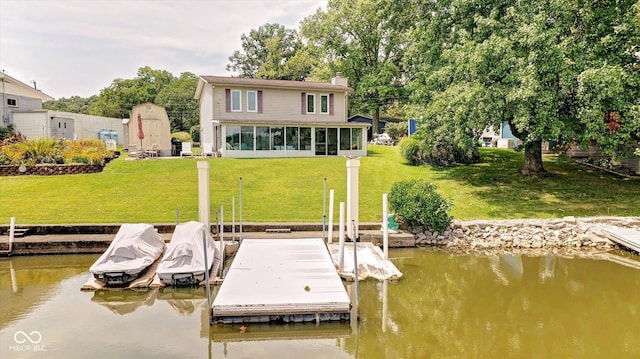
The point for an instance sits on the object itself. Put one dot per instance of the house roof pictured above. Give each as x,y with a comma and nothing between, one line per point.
262,83
360,117
12,86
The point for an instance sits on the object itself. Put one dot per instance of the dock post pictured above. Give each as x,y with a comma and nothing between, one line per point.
206,272
233,218
341,239
330,235
240,210
12,233
221,241
324,208
203,193
385,227
353,167
355,263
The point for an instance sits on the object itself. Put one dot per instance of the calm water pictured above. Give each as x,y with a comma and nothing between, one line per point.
446,306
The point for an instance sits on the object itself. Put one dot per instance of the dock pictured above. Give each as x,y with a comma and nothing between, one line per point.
371,262
281,280
626,237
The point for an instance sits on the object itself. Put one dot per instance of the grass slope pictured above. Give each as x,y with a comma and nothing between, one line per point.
290,189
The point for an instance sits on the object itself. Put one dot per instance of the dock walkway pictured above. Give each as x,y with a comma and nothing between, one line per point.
629,238
275,280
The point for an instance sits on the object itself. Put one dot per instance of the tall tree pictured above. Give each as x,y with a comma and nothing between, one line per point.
74,104
365,40
272,52
480,63
177,98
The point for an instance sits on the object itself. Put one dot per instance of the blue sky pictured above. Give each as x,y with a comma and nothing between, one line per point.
77,47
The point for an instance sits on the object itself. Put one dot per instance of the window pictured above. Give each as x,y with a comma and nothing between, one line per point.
324,104
292,137
236,101
305,138
246,138
277,138
233,138
252,101
345,139
12,102
262,138
311,103
356,138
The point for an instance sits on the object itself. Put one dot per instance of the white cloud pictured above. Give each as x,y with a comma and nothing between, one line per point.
74,47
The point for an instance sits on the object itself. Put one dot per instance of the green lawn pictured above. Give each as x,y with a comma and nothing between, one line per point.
288,190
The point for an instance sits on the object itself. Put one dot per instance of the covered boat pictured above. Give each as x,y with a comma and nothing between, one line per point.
183,263
134,248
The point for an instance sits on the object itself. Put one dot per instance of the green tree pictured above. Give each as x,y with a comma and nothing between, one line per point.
477,64
177,98
118,99
272,52
365,40
74,104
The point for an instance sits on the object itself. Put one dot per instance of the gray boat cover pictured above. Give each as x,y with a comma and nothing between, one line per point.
134,248
185,254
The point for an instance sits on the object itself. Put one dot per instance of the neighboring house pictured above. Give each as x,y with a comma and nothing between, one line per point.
18,96
503,139
22,108
68,125
241,117
382,121
156,128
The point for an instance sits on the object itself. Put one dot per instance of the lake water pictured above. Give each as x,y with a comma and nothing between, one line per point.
446,306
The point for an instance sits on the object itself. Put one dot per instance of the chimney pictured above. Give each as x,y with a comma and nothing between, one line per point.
339,80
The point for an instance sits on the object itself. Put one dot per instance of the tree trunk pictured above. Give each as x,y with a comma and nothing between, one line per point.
532,159
376,121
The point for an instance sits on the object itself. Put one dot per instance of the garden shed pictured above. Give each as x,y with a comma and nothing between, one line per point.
155,126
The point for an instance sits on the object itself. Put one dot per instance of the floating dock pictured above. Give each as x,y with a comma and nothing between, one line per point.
281,280
627,237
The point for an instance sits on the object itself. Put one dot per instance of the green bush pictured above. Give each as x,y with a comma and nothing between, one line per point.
195,133
182,136
411,150
419,205
5,131
397,130
54,151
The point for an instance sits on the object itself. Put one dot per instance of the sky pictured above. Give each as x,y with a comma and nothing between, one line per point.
78,47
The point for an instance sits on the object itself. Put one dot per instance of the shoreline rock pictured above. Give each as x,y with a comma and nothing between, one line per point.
568,232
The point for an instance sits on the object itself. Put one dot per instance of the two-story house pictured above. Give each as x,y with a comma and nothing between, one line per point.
241,117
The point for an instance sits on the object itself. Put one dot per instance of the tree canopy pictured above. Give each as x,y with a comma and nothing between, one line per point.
553,70
156,86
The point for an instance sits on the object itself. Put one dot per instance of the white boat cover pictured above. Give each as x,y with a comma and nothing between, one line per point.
184,254
134,248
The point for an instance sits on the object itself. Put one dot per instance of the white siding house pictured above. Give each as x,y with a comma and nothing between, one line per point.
18,96
242,117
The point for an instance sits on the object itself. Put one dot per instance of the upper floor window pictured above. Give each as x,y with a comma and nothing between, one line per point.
311,103
324,104
236,101
252,101
12,102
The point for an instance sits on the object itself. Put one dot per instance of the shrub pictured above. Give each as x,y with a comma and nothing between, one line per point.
5,131
397,130
419,204
411,150
182,136
195,133
54,151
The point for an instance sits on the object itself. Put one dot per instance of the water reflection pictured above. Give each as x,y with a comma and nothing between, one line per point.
124,302
446,305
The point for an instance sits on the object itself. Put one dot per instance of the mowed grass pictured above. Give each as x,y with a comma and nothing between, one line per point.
291,190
